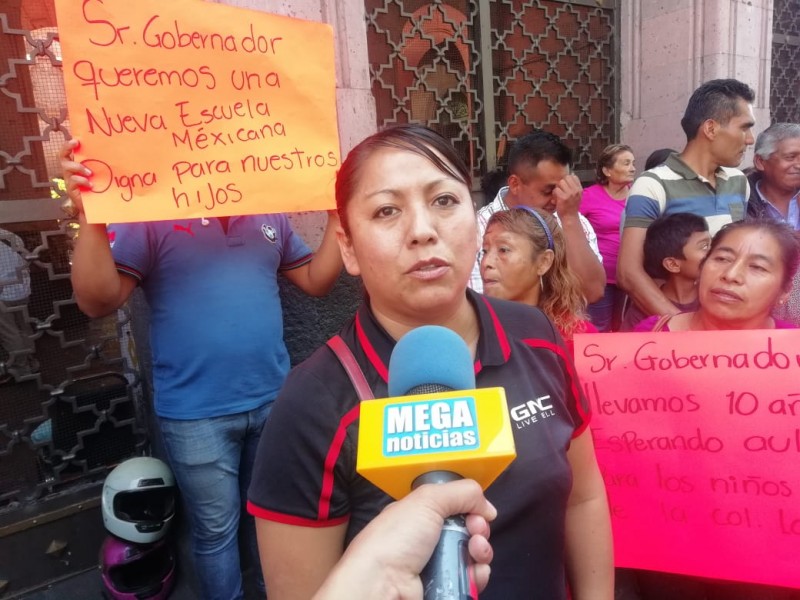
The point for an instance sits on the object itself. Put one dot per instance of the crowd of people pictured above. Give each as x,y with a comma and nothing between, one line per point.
692,243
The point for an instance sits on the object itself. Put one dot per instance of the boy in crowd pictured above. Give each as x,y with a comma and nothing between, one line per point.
674,247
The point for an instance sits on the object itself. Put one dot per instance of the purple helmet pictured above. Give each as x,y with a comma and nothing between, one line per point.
137,571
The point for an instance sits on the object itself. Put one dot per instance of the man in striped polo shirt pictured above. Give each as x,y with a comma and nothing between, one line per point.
701,180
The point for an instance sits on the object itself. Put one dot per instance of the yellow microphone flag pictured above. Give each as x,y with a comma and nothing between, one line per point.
467,432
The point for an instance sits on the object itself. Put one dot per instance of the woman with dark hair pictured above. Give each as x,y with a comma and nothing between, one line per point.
409,230
657,157
603,204
745,276
524,259
492,181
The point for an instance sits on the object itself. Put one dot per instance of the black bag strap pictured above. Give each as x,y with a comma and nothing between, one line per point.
354,372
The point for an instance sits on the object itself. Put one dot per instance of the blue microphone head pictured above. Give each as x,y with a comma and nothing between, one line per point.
430,356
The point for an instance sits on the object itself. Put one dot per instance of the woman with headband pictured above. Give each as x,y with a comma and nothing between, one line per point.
524,258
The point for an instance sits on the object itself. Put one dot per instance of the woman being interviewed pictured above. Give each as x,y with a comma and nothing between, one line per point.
409,230
524,259
745,276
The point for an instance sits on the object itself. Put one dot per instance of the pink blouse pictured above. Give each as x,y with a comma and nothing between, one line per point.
604,213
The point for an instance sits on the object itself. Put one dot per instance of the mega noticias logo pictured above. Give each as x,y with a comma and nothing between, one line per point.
445,425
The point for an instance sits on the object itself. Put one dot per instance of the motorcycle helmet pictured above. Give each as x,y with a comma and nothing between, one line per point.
137,571
138,500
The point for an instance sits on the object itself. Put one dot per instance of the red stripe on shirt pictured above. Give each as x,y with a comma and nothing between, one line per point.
326,493
298,263
499,331
535,343
369,350
269,515
129,271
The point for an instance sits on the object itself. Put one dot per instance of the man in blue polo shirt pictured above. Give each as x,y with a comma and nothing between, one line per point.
217,342
701,180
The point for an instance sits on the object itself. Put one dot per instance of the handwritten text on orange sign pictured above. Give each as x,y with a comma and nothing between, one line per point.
188,108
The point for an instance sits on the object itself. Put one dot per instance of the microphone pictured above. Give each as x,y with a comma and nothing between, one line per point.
435,427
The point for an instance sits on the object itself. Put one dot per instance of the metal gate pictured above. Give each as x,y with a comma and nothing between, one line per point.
784,79
483,72
69,391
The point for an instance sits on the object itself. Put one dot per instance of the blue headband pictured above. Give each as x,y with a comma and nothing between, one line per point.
528,209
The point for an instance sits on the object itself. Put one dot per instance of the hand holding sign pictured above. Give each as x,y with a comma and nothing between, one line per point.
76,176
195,109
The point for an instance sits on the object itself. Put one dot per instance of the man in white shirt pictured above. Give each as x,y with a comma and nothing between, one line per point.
539,166
15,288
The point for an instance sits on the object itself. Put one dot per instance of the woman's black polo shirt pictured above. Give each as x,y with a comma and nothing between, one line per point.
305,467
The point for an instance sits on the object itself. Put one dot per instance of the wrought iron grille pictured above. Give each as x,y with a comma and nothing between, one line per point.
485,72
69,388
553,68
424,69
785,74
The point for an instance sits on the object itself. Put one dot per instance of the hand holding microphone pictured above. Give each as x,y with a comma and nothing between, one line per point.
373,568
436,428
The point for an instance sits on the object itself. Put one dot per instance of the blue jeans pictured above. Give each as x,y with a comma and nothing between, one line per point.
606,312
212,460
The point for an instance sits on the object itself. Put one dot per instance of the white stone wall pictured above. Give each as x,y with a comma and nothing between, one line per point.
669,47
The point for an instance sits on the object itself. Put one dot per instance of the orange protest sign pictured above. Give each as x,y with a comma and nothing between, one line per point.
194,109
698,439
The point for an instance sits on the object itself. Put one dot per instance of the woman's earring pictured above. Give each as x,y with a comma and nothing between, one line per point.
541,284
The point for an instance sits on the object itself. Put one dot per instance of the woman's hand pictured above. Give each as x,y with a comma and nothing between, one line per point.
75,177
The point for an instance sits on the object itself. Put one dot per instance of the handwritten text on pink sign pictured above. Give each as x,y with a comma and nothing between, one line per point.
698,439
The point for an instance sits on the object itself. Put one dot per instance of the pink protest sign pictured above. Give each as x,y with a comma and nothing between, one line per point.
698,439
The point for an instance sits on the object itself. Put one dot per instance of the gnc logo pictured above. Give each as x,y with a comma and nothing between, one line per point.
532,409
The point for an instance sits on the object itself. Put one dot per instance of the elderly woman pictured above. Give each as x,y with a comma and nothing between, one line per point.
409,230
524,258
745,276
602,204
